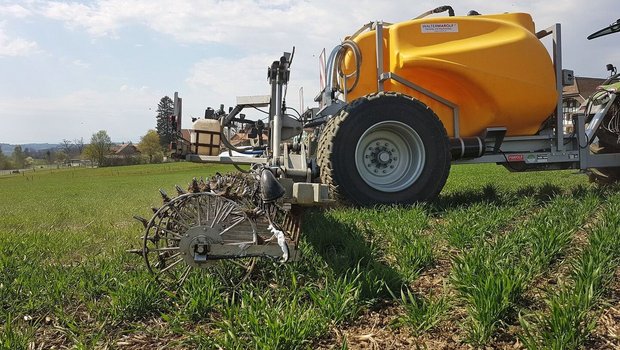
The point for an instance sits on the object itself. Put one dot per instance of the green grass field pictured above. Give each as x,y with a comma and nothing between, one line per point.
500,260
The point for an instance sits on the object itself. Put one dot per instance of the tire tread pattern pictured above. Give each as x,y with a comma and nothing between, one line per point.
330,133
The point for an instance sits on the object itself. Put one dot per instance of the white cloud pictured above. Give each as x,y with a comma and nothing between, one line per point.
14,10
12,47
225,77
243,37
76,15
81,64
244,22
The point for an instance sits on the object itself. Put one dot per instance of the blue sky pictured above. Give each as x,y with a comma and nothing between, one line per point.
69,69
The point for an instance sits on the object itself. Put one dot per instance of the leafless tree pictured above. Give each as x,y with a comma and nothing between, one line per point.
79,145
67,147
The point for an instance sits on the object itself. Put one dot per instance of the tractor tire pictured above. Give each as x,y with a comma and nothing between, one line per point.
384,148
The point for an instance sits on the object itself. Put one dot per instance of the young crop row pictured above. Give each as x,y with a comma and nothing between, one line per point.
492,276
466,227
65,280
569,318
416,237
457,229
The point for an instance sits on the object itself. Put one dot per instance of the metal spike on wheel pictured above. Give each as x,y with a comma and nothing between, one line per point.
180,191
142,220
164,196
194,187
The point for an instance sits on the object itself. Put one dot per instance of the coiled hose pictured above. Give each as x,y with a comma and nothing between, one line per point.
339,66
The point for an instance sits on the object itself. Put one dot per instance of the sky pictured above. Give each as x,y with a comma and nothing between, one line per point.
70,69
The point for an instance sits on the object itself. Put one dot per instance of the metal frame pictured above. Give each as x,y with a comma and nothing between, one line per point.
556,35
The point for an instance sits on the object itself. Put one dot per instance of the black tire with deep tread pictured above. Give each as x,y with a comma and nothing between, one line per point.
336,149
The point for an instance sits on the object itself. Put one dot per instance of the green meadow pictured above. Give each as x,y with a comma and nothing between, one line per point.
500,260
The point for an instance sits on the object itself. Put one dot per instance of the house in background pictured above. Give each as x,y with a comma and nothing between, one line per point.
575,95
123,154
125,150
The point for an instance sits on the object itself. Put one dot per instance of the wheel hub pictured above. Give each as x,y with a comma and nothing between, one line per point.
381,157
390,156
195,244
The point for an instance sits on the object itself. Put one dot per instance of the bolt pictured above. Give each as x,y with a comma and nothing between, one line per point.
377,143
369,165
386,144
393,150
391,167
376,171
395,158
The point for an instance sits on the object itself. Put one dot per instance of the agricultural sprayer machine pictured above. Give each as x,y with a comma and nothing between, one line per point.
402,102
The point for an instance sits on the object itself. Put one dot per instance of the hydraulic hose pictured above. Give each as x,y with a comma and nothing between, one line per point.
439,9
339,62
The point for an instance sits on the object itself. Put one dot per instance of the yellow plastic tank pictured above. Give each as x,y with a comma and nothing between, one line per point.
492,66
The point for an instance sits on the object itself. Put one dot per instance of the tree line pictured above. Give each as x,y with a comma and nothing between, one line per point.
152,146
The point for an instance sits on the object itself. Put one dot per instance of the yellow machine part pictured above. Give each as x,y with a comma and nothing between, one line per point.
493,67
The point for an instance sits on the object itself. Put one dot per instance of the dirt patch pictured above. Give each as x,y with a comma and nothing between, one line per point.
607,332
372,330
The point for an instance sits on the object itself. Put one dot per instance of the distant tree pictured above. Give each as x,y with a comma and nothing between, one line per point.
150,145
67,147
61,157
18,157
165,127
79,145
29,162
99,147
48,156
3,161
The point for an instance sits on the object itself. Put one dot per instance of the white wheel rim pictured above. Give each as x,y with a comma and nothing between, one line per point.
390,156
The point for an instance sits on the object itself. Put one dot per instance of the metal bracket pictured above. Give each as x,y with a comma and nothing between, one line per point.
428,93
556,32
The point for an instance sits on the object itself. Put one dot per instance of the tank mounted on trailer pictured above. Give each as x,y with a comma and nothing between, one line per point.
402,103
